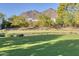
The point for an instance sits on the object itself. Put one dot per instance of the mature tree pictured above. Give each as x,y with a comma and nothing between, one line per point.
2,20
2,16
66,13
60,11
18,21
6,24
76,19
67,20
73,10
44,21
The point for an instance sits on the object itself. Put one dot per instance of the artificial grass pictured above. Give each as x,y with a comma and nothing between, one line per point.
40,45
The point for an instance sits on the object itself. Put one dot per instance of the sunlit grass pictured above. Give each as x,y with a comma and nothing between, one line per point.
40,45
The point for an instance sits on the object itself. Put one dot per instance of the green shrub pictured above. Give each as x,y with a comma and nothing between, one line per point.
9,35
20,35
2,35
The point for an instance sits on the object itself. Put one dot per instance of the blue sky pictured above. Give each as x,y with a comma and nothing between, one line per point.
17,8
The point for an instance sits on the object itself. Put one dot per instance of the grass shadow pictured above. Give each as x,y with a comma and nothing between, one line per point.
26,40
60,48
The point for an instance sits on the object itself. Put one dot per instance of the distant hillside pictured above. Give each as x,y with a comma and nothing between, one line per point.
30,14
33,14
50,13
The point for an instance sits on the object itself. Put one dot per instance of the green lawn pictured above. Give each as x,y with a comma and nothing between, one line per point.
41,45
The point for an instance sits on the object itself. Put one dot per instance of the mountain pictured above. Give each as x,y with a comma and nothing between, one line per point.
33,14
50,13
30,14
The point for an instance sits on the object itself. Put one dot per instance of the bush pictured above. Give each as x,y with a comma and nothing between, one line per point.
2,35
20,35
